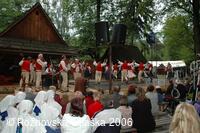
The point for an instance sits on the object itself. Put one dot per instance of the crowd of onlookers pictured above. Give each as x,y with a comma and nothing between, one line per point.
93,111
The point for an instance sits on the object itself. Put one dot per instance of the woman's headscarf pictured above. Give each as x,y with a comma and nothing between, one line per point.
51,102
40,98
25,107
9,100
19,97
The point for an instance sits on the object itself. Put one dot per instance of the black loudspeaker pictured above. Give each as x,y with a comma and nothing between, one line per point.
119,34
102,32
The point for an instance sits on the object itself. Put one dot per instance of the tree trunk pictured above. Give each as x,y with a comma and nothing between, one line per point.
196,25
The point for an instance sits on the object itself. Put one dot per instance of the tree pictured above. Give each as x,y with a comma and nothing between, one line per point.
178,39
192,9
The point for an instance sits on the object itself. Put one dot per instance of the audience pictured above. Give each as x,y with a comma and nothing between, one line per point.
153,96
7,110
142,115
160,98
76,121
29,94
131,94
185,120
197,104
89,98
25,123
107,120
96,106
116,96
126,112
80,95
39,100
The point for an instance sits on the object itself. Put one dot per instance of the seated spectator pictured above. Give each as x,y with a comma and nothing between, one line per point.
80,95
96,106
116,96
131,94
50,94
76,121
88,99
182,90
40,99
160,98
153,96
80,84
19,96
7,110
185,120
29,94
64,102
50,116
197,104
126,112
25,123
142,115
107,120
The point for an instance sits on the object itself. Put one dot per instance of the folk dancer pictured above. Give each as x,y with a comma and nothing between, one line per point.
63,68
99,69
32,72
131,69
115,70
169,71
87,71
39,66
25,71
77,67
141,71
124,70
148,71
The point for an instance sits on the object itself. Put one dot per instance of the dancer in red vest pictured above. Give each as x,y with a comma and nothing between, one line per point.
78,68
124,69
99,69
25,71
39,66
141,71
115,70
63,68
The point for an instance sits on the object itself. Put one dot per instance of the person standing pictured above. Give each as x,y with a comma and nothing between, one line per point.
39,66
25,71
32,72
115,70
99,69
124,70
141,71
64,73
77,66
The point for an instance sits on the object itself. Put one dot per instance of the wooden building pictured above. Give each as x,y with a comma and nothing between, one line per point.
31,34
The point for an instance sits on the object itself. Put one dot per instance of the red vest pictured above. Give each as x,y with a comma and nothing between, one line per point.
141,67
38,66
99,67
115,67
125,66
26,65
60,67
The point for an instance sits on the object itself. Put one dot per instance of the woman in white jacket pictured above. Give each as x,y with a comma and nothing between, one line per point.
76,121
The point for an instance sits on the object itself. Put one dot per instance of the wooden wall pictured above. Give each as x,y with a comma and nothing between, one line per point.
35,26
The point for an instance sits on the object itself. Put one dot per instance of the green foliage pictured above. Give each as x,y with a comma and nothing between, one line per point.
178,39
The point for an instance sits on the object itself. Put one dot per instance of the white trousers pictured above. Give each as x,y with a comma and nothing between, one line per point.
24,78
140,76
64,81
124,73
38,78
32,77
98,75
77,75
